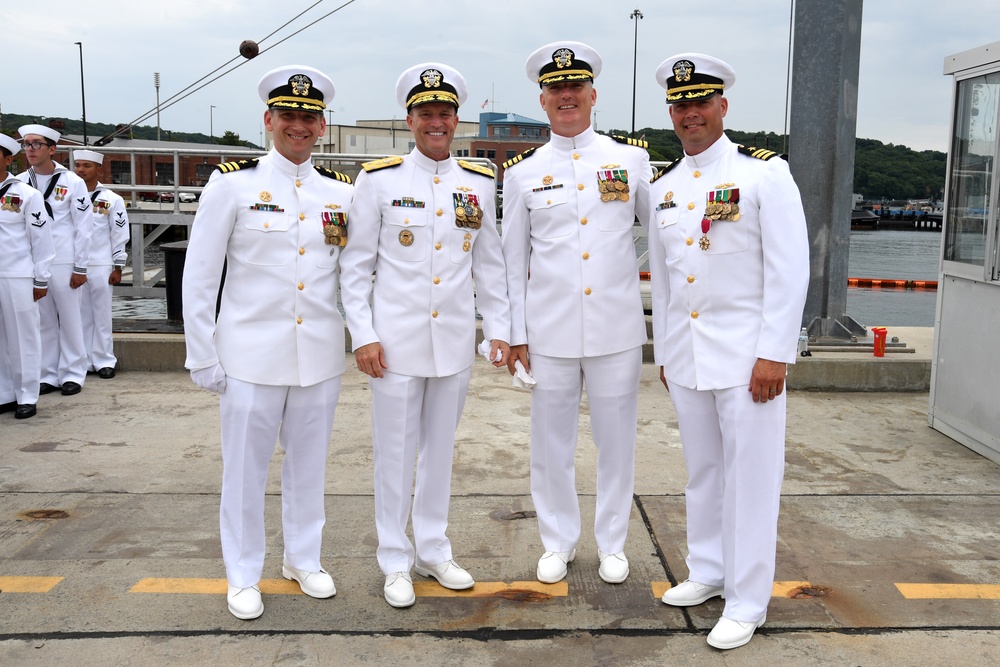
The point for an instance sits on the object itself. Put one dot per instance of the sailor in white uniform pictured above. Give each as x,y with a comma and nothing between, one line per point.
576,311
425,224
107,259
26,252
64,354
729,258
275,354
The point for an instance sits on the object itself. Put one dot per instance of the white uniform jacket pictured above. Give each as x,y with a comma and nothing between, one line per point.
26,249
717,310
279,323
407,230
71,223
111,231
572,277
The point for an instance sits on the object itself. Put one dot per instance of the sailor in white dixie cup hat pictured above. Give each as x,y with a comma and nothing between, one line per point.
26,253
425,224
107,258
64,354
729,264
275,354
570,206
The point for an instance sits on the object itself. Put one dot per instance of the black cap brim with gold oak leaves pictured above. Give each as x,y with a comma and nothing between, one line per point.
687,84
565,66
298,94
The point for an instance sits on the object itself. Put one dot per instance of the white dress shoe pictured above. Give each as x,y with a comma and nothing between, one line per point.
728,633
614,567
398,590
245,603
314,584
552,566
449,574
691,593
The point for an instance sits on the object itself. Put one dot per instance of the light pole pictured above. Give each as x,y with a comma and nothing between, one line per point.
83,94
211,120
156,82
636,15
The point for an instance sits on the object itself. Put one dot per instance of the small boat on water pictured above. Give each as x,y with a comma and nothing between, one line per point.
864,219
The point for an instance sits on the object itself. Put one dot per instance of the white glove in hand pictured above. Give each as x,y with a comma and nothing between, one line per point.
212,378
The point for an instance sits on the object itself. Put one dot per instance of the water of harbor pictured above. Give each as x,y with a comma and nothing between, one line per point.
886,254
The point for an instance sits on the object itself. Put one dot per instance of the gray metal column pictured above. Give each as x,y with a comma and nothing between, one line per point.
823,121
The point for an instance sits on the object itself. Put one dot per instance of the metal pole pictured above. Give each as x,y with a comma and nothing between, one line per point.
636,15
211,120
156,82
83,94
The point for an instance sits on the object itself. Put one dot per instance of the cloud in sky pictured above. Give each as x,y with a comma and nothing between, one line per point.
903,96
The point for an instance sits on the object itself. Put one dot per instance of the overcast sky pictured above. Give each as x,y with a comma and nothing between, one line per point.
903,96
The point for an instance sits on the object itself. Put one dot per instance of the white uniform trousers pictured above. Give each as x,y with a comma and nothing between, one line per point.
414,418
612,383
95,308
64,355
253,417
20,342
734,450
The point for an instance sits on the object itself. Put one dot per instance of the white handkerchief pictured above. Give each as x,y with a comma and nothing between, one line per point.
522,379
484,349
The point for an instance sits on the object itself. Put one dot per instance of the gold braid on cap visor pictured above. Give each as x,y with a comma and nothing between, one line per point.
693,92
306,103
436,96
567,75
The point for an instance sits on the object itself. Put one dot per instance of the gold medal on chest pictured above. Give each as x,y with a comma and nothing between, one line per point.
406,237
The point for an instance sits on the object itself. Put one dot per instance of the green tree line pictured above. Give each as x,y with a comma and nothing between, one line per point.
881,171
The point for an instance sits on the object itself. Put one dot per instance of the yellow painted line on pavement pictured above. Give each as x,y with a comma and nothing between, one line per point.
781,589
950,591
514,590
192,585
28,584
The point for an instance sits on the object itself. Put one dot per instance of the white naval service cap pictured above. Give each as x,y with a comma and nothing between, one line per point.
92,156
694,76
563,61
296,87
10,144
430,82
42,130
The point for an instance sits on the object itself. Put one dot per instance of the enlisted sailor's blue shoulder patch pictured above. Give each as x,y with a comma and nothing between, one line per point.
517,158
230,167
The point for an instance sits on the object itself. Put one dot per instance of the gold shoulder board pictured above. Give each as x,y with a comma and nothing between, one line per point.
230,167
759,153
517,158
478,168
640,143
385,162
336,175
664,171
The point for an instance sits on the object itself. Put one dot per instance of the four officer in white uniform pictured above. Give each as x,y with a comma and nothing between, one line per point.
576,311
26,253
278,224
425,224
107,258
729,264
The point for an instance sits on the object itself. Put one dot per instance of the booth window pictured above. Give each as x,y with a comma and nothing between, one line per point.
971,213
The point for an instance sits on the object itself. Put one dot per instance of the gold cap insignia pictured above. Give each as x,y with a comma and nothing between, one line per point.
683,70
431,78
563,58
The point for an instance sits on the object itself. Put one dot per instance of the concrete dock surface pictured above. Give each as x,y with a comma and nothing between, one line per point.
109,547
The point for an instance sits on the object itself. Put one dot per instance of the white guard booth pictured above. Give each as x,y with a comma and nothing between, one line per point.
965,371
